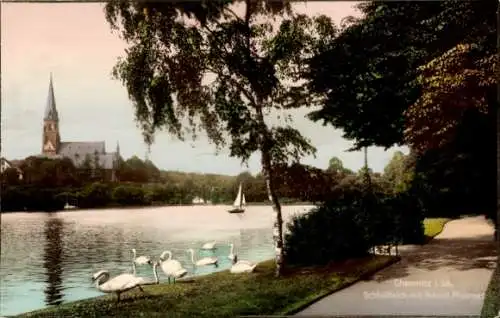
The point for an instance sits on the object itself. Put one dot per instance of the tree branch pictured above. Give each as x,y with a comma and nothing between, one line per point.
240,86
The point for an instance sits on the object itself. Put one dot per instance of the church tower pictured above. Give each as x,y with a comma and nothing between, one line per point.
51,138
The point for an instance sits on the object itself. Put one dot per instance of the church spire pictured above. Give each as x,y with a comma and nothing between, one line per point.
117,148
50,109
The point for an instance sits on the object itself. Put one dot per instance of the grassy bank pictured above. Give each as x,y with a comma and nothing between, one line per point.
491,304
227,295
434,226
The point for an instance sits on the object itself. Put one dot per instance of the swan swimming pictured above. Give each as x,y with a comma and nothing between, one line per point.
209,245
141,260
204,261
121,283
171,267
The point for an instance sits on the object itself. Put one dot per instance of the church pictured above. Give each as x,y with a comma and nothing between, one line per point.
80,152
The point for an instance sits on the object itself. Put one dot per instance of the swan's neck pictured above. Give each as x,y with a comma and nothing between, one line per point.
101,280
232,249
134,253
155,272
192,257
134,268
169,256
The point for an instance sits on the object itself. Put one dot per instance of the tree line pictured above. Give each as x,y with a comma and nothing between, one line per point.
49,184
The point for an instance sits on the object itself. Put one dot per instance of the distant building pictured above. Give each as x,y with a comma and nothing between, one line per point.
6,164
80,152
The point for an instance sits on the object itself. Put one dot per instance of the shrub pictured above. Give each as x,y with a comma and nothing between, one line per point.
128,195
13,199
329,232
38,199
94,195
349,226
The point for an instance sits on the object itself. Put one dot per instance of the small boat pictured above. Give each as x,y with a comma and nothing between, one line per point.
67,206
239,202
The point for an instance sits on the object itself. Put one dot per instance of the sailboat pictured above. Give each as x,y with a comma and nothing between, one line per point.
239,202
68,206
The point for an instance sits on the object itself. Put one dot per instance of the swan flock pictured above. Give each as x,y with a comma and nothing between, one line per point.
171,268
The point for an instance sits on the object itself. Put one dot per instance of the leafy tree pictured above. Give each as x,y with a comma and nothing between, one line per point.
336,167
152,171
458,80
85,169
254,68
136,170
10,176
378,79
49,173
398,173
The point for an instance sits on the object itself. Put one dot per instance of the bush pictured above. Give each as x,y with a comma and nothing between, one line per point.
13,199
94,195
349,226
129,195
409,218
329,232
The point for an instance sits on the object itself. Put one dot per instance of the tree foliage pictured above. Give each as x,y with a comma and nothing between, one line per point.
221,72
375,70
460,79
399,172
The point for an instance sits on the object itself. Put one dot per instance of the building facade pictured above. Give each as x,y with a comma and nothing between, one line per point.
81,153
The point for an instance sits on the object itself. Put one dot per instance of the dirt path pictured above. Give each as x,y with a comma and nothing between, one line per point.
448,276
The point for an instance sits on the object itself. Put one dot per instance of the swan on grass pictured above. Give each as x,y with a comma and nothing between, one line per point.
121,283
210,260
209,245
171,267
242,267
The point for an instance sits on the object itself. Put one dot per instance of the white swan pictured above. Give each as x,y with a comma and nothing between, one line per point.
204,261
231,255
209,245
171,267
243,267
121,283
141,260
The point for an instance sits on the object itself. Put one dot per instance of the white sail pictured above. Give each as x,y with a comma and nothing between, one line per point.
237,201
243,201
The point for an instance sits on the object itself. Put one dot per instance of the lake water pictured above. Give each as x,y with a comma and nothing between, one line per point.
49,258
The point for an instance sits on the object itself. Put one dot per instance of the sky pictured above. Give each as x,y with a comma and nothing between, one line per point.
76,44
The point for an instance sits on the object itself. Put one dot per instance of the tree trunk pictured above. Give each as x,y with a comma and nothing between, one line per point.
497,235
278,221
268,173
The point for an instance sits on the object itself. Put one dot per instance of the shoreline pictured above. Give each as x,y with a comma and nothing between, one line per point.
141,207
298,286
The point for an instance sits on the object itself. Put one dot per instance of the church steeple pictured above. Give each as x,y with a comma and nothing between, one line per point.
50,108
51,138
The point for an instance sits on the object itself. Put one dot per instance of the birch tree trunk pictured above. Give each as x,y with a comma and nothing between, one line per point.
278,218
268,172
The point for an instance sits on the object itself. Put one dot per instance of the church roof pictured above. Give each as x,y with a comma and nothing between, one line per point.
50,108
78,151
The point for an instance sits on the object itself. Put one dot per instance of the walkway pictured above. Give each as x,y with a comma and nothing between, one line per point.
448,276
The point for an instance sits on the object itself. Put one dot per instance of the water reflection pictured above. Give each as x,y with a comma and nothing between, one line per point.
49,259
52,260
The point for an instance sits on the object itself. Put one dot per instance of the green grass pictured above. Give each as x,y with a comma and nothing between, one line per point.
491,304
227,295
433,226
